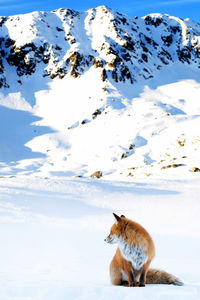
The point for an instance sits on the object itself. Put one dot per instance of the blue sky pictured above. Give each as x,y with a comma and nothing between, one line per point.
179,8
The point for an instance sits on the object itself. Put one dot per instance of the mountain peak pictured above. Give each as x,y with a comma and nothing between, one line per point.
65,41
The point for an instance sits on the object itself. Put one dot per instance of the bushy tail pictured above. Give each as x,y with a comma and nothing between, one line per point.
155,276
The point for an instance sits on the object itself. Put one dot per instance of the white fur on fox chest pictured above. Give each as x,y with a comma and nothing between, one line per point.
134,254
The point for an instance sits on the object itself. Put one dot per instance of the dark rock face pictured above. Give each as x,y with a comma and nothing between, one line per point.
25,65
127,50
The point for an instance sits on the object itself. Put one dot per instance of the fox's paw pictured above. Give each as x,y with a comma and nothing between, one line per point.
131,284
141,284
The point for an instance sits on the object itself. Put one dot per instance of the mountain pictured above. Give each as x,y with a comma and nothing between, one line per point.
101,92
65,41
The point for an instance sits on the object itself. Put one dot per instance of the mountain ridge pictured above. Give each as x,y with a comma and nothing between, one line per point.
124,49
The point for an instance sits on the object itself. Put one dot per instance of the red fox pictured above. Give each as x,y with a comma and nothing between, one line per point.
130,265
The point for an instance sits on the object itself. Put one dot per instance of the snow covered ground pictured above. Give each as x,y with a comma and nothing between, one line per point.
54,133
53,224
52,236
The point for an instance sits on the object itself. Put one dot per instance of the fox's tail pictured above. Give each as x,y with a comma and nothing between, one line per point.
155,276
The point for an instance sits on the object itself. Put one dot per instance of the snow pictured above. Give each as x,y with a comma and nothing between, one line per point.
163,114
144,138
52,236
118,127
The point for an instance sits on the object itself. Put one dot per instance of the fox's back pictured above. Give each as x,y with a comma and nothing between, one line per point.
135,235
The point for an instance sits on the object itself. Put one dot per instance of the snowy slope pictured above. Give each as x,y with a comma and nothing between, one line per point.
99,91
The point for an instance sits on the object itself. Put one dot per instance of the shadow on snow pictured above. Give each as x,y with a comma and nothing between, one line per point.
16,129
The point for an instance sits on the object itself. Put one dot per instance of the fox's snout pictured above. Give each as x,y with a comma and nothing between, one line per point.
110,239
107,240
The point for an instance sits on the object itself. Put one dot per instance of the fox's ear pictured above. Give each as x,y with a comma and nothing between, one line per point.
117,218
122,216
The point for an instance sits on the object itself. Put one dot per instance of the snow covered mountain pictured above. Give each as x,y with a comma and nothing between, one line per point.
124,49
99,91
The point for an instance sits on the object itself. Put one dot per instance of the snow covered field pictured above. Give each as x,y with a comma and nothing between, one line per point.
52,236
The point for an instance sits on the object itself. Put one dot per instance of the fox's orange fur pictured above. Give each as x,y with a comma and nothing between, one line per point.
130,265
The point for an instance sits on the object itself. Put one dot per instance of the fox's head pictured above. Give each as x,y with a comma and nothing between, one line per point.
116,230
